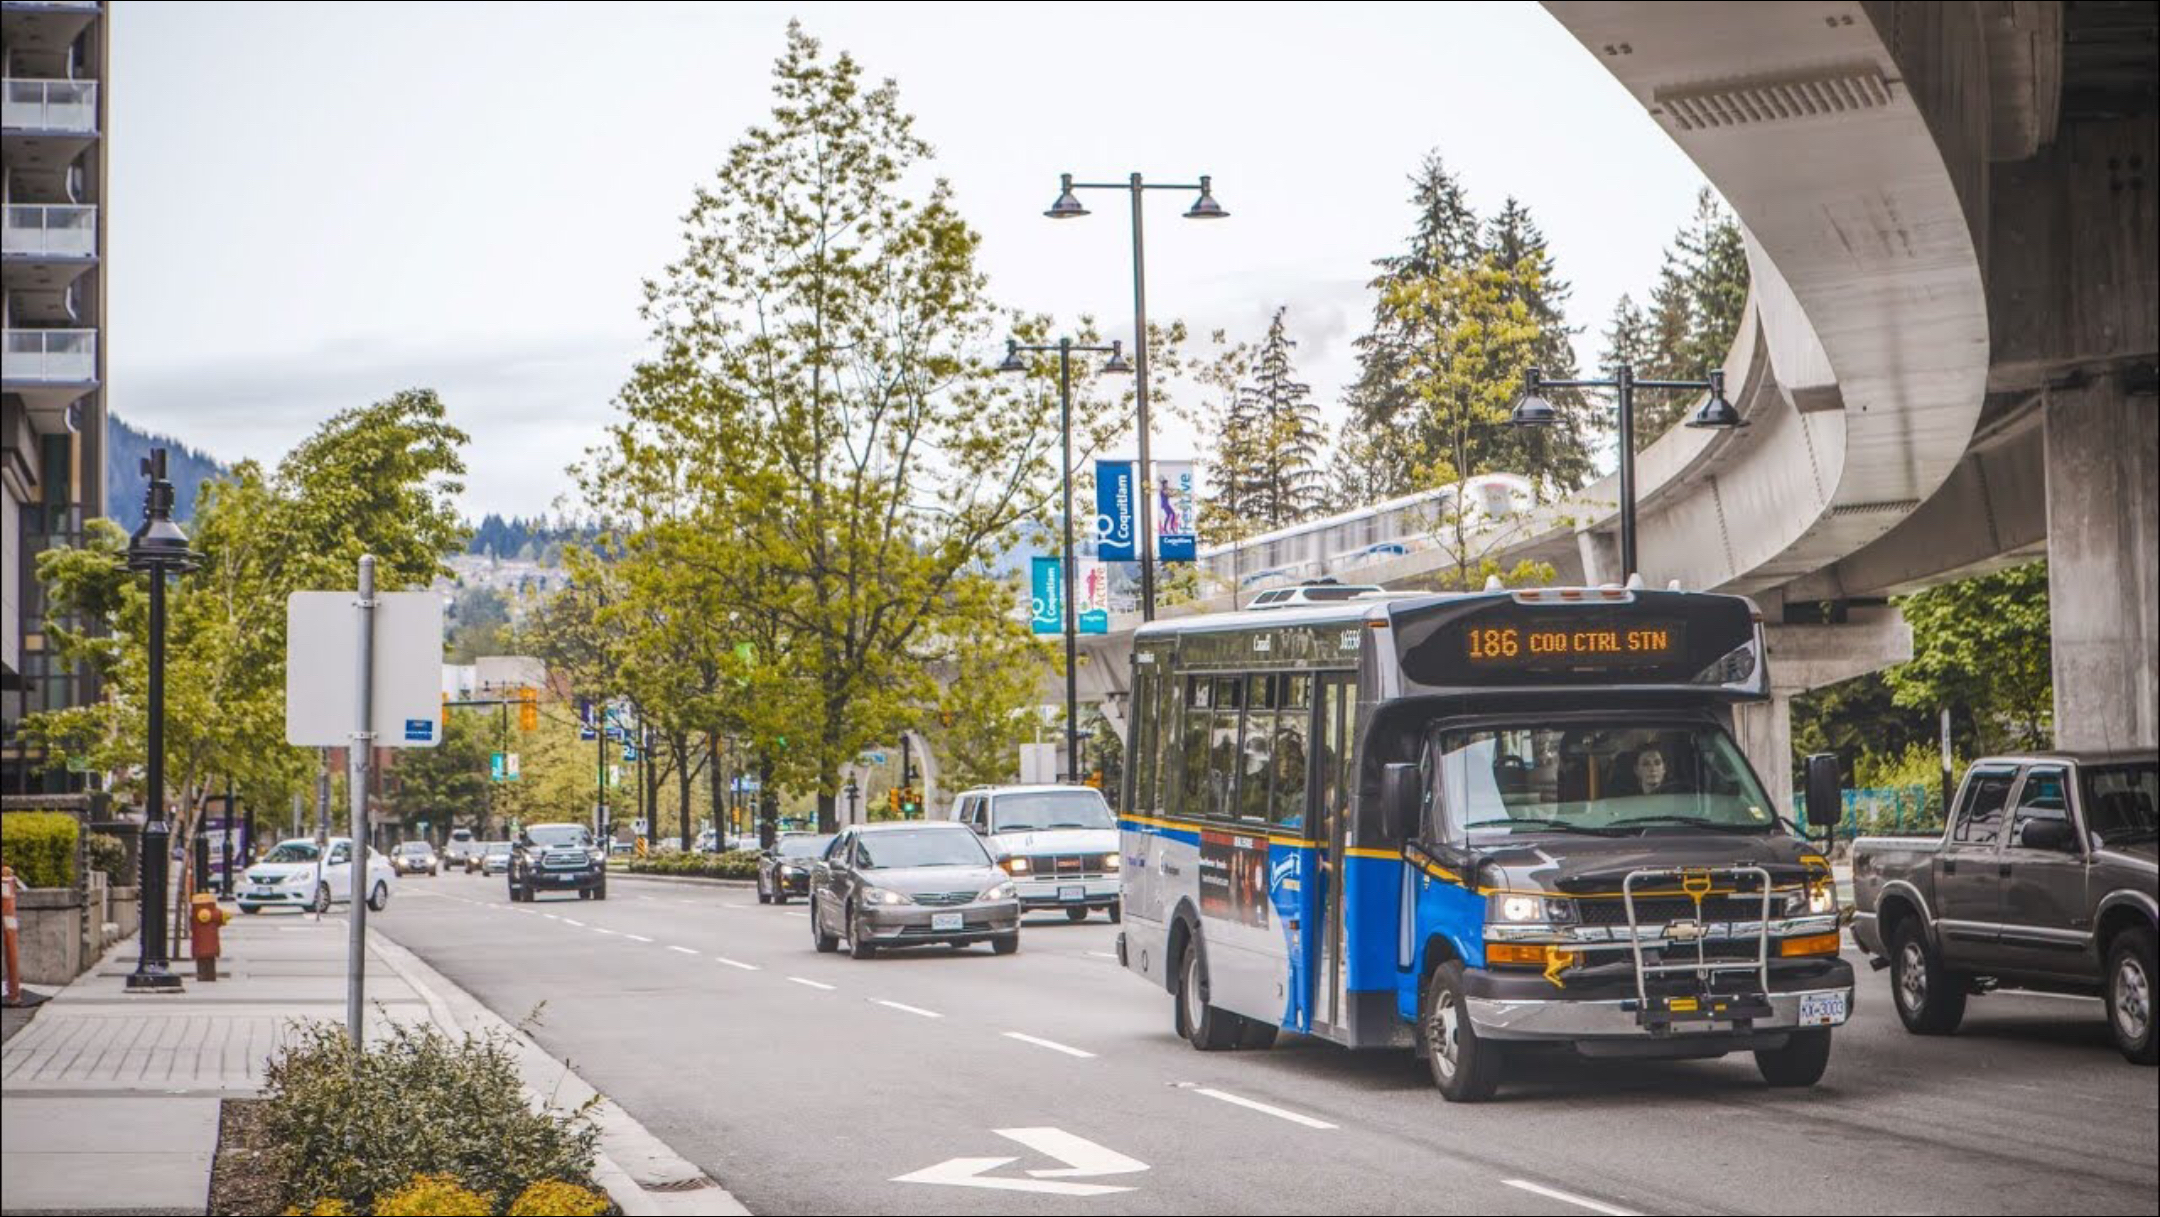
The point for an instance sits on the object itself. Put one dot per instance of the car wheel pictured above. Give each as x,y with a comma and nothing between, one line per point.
1078,914
321,902
763,896
584,893
2130,995
251,908
600,892
780,896
1800,1062
1464,1067
379,899
1003,944
826,943
1208,1028
1117,912
1930,998
859,944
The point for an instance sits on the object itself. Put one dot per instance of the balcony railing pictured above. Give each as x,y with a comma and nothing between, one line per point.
50,105
60,357
36,231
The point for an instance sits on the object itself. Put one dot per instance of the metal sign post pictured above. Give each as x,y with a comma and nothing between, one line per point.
357,758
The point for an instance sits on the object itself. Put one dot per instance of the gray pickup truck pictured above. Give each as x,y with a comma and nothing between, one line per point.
2044,879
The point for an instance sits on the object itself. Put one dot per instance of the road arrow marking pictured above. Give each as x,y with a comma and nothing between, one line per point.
1081,1156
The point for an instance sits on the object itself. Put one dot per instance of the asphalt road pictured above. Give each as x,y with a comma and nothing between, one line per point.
812,1083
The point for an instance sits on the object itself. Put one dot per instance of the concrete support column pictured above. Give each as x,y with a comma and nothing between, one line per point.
1764,732
2103,515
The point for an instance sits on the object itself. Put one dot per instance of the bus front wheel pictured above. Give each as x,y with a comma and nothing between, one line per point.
1209,1028
1464,1067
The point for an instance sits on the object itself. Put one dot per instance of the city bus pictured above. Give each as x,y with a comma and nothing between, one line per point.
1476,825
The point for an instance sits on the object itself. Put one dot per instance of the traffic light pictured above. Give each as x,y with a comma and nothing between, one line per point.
892,800
909,802
446,715
528,709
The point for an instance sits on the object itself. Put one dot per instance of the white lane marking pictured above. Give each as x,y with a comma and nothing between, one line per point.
1082,1157
637,938
1052,1045
684,950
1102,954
1262,1108
907,1009
792,913
1552,1193
550,917
600,930
736,963
815,984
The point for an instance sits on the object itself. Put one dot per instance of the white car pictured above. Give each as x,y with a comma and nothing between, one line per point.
300,874
1059,844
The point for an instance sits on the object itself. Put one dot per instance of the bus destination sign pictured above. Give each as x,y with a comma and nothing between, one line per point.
1515,644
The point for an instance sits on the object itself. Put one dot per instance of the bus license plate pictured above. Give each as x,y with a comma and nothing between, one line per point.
1072,893
946,921
1822,1009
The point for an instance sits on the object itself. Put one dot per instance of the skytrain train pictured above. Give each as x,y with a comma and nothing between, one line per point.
1343,542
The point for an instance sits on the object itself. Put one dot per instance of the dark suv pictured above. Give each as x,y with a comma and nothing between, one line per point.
557,857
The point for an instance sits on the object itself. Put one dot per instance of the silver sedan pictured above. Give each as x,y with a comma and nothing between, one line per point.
910,883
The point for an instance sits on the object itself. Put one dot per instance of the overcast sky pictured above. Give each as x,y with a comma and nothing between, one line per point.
314,205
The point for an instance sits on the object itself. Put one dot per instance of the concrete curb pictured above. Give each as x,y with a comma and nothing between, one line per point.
641,1173
692,880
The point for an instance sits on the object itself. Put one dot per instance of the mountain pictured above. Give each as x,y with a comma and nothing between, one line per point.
125,450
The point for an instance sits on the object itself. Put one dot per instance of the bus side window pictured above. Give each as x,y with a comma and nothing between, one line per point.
1193,793
1141,756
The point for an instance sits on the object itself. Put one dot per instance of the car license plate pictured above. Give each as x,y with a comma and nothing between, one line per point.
1822,1009
947,921
1072,893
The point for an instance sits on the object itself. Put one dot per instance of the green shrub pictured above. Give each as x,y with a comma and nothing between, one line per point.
108,854
322,1208
355,1126
738,864
434,1196
555,1198
40,845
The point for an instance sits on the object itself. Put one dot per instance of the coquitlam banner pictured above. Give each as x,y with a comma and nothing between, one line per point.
1115,511
1175,540
1049,596
1093,579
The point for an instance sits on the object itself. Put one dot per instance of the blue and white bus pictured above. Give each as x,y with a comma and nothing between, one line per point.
1478,825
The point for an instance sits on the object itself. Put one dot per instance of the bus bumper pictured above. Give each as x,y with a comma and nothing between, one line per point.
1527,1008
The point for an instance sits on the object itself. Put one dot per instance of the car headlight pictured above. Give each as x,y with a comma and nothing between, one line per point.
879,895
296,880
1014,865
1111,861
792,872
1003,891
1520,909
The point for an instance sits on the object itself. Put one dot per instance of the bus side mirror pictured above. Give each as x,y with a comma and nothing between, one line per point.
1825,791
1398,800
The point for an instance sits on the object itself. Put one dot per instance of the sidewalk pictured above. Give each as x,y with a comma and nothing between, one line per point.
109,1103
111,1099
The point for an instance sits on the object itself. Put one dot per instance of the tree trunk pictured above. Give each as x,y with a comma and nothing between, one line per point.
716,775
682,785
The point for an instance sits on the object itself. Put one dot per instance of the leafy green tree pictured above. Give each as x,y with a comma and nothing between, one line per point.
447,785
1565,449
1694,314
1983,644
479,624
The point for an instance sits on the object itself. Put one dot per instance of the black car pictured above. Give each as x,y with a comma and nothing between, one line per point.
784,870
557,857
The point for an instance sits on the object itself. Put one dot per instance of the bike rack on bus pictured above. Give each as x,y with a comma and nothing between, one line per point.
1705,1005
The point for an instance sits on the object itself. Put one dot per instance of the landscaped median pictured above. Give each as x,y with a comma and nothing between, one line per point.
419,1123
737,864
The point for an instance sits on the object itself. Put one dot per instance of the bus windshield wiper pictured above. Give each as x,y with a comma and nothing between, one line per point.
1555,825
1692,822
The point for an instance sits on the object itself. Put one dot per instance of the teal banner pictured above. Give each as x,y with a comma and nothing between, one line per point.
1049,596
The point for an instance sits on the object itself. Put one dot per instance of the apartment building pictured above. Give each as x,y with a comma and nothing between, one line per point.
53,56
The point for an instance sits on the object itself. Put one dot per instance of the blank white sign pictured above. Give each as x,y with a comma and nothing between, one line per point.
322,657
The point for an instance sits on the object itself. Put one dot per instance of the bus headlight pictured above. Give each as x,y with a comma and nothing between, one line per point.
1822,896
1519,909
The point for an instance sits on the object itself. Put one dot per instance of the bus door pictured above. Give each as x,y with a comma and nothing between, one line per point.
1335,700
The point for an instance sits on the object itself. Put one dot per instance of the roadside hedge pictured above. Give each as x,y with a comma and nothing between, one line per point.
40,845
737,864
108,853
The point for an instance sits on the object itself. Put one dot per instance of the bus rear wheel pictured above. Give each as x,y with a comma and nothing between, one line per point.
1464,1067
1208,1028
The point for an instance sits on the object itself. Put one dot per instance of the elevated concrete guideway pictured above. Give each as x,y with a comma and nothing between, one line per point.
1947,355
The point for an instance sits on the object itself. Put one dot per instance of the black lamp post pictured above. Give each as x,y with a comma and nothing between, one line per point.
1532,410
1116,363
161,548
1205,207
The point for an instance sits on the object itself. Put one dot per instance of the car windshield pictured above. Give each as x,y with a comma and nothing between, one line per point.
461,835
803,847
496,847
558,834
2120,801
1039,811
413,848
293,851
1592,778
923,847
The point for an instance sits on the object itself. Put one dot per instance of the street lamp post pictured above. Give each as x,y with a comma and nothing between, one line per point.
1205,207
1532,410
1116,363
159,547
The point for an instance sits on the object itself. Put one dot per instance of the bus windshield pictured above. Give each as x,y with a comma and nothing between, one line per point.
1593,778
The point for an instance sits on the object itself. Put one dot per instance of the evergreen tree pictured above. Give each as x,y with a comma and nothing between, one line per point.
1694,312
1287,490
1515,240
